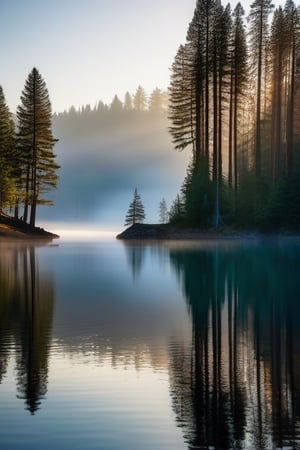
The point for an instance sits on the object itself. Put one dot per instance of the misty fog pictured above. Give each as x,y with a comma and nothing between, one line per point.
104,155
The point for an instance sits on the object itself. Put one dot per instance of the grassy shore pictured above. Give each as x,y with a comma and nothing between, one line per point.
11,228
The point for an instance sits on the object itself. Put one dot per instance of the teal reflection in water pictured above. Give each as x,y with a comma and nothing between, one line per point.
240,384
156,346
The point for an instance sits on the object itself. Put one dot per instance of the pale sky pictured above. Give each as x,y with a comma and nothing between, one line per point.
87,50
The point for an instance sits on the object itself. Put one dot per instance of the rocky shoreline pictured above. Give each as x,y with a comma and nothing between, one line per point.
158,231
16,229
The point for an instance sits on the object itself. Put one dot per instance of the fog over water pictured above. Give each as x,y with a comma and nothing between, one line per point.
103,157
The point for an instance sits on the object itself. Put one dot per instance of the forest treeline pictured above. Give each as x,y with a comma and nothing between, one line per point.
138,101
234,103
135,110
28,169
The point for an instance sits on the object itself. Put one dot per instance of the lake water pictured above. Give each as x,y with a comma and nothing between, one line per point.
177,345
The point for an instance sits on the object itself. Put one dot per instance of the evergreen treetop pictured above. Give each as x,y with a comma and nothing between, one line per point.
136,212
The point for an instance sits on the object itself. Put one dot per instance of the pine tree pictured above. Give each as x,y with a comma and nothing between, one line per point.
156,101
260,10
220,69
163,211
35,141
128,104
238,89
7,155
278,46
292,18
135,213
177,210
116,105
182,102
140,99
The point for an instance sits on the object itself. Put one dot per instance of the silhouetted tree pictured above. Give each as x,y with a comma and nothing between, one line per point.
238,87
135,213
177,209
116,105
258,17
182,105
292,24
278,46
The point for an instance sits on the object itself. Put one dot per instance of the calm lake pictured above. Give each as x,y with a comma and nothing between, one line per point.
177,345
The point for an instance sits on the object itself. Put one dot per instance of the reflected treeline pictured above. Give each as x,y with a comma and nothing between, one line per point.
239,385
26,310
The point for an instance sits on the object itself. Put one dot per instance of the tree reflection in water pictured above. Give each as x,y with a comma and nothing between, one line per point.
239,385
26,311
135,253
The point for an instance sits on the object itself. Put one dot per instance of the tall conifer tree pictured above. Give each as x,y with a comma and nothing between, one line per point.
259,13
35,141
238,92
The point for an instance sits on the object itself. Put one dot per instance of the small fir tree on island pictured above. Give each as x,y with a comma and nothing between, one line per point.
136,212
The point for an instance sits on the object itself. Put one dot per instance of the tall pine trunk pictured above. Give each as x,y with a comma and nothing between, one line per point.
258,99
230,132
27,189
290,111
276,117
235,141
215,137
207,51
34,159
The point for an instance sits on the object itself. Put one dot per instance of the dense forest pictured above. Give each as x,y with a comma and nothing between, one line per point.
234,103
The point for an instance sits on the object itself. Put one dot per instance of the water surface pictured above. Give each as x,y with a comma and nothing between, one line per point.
177,345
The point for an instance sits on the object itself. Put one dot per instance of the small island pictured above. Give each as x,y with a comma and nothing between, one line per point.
168,232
